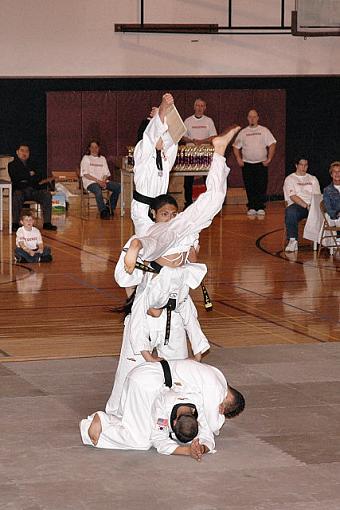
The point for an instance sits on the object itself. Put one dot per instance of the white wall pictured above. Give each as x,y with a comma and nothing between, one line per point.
41,38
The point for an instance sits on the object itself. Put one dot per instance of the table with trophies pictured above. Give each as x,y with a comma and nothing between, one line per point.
191,160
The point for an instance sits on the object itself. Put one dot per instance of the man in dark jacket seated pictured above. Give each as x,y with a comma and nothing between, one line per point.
27,185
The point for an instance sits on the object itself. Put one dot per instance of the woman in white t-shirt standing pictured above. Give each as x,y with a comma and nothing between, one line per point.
96,177
298,189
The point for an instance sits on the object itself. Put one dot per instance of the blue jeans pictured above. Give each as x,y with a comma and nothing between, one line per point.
22,254
293,215
114,187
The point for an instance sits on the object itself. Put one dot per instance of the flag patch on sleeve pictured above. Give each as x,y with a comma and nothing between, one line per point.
162,423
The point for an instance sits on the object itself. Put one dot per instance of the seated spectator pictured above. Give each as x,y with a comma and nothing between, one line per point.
298,189
27,185
331,196
29,243
96,177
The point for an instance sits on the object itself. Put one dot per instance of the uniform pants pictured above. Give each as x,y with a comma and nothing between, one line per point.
255,178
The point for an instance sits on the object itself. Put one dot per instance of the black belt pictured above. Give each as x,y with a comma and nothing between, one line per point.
167,373
142,198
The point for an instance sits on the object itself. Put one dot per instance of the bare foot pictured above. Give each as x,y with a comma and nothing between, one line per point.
131,255
95,429
220,142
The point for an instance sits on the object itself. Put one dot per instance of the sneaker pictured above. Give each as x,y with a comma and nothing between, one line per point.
261,212
49,226
251,212
292,245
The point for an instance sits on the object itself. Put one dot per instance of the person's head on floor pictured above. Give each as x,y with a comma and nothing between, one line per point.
164,208
27,221
184,424
233,404
23,151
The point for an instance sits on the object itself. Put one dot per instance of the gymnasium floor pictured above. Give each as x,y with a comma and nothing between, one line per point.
274,332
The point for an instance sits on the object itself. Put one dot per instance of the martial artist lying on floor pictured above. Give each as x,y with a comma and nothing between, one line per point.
151,412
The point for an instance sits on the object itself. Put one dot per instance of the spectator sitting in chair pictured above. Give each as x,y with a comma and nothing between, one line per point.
96,177
298,189
29,243
27,185
331,196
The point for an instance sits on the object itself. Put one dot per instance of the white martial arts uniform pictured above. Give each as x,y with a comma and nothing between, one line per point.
179,234
203,385
148,179
130,358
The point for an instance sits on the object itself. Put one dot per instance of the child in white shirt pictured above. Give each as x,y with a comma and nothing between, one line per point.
29,243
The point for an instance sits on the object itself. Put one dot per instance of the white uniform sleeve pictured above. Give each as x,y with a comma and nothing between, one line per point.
146,146
123,278
199,215
205,434
198,340
160,428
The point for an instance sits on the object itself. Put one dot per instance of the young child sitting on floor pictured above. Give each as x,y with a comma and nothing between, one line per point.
29,243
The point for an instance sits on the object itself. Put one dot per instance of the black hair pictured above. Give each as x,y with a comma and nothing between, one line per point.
186,428
143,125
298,159
238,404
161,200
126,307
88,148
21,144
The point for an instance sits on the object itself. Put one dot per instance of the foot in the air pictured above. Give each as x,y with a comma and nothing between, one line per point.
95,429
220,142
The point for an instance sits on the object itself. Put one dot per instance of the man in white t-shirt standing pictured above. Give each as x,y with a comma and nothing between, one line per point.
298,189
254,149
200,130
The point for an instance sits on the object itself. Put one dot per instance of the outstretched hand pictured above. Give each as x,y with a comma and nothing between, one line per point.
196,449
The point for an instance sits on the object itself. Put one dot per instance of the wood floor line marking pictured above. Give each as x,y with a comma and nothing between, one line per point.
286,320
271,321
241,321
324,318
278,254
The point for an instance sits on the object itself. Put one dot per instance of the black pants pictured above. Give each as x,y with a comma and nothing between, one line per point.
255,178
188,184
41,196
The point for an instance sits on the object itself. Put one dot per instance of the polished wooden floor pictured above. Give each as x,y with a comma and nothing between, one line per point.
260,295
